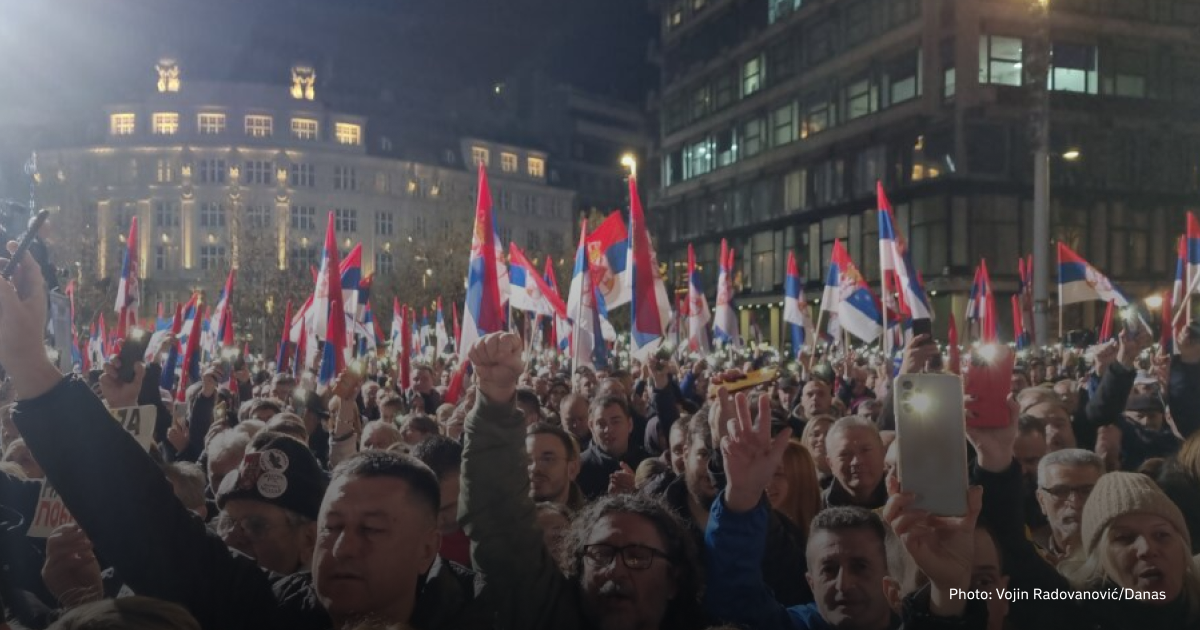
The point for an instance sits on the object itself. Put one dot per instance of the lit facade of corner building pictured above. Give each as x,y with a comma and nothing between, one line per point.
206,163
777,116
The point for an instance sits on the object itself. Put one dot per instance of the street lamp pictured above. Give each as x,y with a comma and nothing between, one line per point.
1154,302
1071,154
630,162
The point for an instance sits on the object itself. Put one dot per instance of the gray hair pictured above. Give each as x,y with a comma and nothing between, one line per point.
1068,457
227,441
853,422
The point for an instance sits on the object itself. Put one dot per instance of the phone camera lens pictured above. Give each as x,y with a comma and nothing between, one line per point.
907,385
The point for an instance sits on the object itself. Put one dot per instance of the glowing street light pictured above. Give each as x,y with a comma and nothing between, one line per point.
1154,302
1071,155
630,162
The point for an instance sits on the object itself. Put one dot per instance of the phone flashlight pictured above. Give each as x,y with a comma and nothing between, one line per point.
920,403
988,352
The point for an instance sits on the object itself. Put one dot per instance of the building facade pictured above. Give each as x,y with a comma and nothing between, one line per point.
222,173
776,118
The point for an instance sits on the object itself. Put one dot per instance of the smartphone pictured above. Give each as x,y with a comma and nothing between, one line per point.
989,382
923,326
932,442
133,349
23,246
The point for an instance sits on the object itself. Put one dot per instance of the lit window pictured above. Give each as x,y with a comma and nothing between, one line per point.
164,171
861,99
904,78
259,126
165,124
508,162
302,256
122,124
480,155
211,124
784,125
304,129
1000,60
345,219
752,76
348,133
1073,69
537,167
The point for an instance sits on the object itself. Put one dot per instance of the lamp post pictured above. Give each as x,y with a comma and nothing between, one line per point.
1041,172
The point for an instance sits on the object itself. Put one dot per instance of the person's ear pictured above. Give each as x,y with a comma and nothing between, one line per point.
892,592
573,469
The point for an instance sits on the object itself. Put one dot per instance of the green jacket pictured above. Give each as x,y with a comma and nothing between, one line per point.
495,510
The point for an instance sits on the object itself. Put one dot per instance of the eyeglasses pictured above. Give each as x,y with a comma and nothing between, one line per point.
255,527
1062,493
636,557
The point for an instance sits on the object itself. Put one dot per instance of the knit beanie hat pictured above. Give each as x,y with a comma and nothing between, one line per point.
1121,493
283,472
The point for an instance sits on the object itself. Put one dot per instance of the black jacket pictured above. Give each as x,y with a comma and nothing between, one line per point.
596,466
127,507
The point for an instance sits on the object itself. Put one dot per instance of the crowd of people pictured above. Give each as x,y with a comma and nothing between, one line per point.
624,499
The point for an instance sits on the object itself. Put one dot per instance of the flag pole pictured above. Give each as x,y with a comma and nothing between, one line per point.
1186,306
816,342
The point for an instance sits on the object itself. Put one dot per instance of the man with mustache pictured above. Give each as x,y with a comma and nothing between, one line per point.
1065,479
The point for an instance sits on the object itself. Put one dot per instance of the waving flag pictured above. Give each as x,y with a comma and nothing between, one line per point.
129,288
457,328
401,345
581,304
849,297
989,304
483,311
1078,281
1106,325
191,355
650,309
895,263
1193,246
329,310
975,301
562,327
529,291
1180,270
608,259
1018,329
795,307
698,315
439,331
223,308
367,341
725,324
167,379
98,342
283,354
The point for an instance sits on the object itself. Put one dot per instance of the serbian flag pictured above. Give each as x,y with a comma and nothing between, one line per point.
401,344
223,308
1180,271
129,288
1106,326
439,331
725,323
167,379
1018,328
350,272
650,309
849,297
1078,281
1193,246
795,307
191,355
976,299
562,328
580,307
698,315
305,350
895,263
608,259
483,310
529,292
97,342
988,319
367,341
329,314
283,353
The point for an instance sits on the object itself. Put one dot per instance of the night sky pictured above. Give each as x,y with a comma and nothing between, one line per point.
77,53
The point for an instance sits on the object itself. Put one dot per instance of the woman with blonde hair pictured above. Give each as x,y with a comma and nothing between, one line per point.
794,490
813,438
1137,542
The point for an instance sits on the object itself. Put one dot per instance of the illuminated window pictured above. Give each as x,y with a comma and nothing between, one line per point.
508,162
1000,60
480,155
165,124
752,76
259,126
122,124
537,167
303,175
348,134
304,218
345,178
304,129
1073,69
164,171
862,98
211,124
384,224
345,219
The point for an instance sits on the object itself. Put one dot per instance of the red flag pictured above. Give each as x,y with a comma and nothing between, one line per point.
191,355
955,357
1106,327
455,390
328,295
1018,329
405,358
989,313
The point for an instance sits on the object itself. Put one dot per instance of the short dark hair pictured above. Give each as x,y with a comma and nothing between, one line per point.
424,424
376,464
568,440
441,454
422,367
842,518
698,427
288,424
619,374
529,397
603,402
283,378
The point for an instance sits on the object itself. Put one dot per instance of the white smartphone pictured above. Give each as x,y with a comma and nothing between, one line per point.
931,431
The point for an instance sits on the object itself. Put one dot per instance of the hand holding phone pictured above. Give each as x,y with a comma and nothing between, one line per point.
26,241
133,350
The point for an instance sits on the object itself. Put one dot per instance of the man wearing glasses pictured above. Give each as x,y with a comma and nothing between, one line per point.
1065,479
626,562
